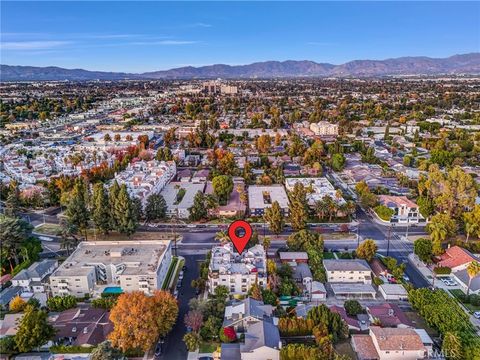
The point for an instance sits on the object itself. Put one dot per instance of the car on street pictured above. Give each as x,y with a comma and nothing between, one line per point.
476,314
406,278
159,349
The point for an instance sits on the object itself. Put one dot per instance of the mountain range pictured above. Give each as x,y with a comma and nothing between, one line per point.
419,65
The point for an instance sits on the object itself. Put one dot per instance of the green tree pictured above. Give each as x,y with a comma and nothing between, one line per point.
473,270
452,347
8,345
100,209
192,341
223,187
68,240
274,216
353,307
112,199
440,227
33,330
77,212
338,162
105,351
198,210
298,207
14,232
471,221
12,205
156,208
123,213
367,250
423,248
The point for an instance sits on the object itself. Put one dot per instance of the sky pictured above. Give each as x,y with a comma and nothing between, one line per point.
148,36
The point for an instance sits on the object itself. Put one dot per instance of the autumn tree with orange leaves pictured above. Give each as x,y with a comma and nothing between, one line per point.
139,319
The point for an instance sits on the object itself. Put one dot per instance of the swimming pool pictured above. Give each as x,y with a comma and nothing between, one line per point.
112,290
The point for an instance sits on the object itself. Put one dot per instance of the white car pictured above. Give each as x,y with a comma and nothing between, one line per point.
476,314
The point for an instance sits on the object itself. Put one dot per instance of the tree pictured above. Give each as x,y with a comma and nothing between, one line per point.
112,199
14,232
353,307
223,187
101,209
17,304
61,303
123,213
194,319
471,221
274,216
137,209
77,212
12,205
266,243
227,334
452,347
298,207
367,250
338,162
68,240
7,345
156,208
192,341
440,227
198,210
423,248
255,291
139,319
105,351
473,270
263,143
33,329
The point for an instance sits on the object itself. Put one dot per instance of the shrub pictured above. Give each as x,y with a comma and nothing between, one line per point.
377,281
227,334
61,303
72,349
17,304
353,307
442,270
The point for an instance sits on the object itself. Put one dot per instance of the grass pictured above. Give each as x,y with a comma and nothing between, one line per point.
177,273
328,255
173,264
115,236
457,293
339,236
48,229
206,347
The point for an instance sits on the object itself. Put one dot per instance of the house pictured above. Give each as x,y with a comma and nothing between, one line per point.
262,341
303,275
241,314
119,266
262,197
353,324
388,315
35,278
9,324
348,271
393,292
293,257
317,291
179,197
406,211
353,290
319,188
81,326
458,259
201,176
8,294
389,344
238,272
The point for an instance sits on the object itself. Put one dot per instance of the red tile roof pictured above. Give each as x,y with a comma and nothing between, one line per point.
456,256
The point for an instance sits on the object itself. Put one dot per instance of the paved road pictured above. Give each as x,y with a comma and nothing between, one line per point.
174,348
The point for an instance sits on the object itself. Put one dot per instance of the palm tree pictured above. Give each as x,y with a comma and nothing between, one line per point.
471,224
473,270
266,243
321,208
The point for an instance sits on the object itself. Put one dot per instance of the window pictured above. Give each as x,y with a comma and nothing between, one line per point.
244,280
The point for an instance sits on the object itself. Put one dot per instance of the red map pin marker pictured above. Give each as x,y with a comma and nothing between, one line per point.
240,241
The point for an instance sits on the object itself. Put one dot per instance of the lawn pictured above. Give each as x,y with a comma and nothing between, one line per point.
173,264
48,229
206,347
328,255
339,236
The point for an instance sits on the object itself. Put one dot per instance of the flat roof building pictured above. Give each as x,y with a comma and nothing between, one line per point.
125,265
262,197
179,197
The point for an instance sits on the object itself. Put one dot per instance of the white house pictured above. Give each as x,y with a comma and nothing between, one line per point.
35,278
348,271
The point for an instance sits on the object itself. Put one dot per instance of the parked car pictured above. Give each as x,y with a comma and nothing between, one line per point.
159,349
476,314
406,278
184,268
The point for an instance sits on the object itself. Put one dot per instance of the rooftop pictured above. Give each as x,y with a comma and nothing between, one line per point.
225,259
346,265
135,257
260,197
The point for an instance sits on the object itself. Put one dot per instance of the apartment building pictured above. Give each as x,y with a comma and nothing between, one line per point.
324,128
320,187
119,266
144,178
262,197
35,278
348,271
238,272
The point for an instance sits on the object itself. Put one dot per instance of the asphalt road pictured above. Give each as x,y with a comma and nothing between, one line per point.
174,348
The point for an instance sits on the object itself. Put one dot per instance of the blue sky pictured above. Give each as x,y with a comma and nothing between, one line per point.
146,36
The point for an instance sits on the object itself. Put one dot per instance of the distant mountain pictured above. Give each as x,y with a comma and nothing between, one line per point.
457,64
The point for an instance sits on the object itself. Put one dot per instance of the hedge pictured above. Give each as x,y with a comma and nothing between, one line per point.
442,270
